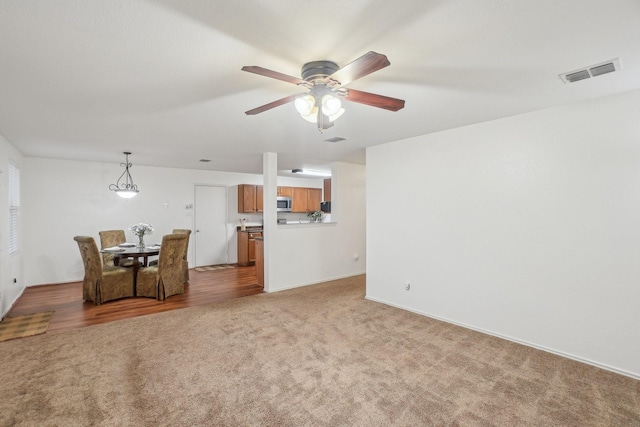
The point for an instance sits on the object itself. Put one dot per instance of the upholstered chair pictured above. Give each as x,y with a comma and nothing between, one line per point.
185,262
108,239
100,283
167,277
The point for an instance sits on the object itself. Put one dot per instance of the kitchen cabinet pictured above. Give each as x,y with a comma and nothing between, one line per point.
314,197
305,200
285,191
327,190
299,200
247,247
259,199
250,198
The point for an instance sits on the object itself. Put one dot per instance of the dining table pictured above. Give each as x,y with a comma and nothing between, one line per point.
135,253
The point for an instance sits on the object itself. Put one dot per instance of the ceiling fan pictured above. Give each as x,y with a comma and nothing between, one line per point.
325,82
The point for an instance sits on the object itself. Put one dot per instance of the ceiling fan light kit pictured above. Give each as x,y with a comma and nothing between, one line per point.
325,82
331,105
307,106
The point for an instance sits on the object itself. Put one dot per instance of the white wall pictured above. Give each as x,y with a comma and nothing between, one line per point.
310,253
10,265
525,227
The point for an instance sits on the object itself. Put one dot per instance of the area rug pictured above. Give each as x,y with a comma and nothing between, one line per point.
214,267
25,326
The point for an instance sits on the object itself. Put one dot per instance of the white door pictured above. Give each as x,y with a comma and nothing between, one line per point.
211,225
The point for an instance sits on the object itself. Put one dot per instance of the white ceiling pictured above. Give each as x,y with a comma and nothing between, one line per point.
89,79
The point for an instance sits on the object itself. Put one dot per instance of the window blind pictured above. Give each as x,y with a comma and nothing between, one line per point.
14,208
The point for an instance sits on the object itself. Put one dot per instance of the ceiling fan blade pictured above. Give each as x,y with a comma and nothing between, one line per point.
274,75
366,64
388,103
271,105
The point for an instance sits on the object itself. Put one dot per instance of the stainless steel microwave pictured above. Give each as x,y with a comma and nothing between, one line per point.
283,204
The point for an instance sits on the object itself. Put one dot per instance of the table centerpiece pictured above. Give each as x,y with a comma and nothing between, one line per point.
140,230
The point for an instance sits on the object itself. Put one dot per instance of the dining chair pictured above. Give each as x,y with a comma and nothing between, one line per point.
167,277
185,262
108,239
102,283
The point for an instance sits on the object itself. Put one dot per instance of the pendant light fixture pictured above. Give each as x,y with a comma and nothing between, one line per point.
125,187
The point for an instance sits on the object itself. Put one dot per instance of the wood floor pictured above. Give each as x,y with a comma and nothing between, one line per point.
72,312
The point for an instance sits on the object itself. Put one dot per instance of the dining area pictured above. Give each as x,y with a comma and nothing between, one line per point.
121,269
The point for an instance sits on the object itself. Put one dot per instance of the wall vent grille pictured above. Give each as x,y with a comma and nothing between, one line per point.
591,71
335,139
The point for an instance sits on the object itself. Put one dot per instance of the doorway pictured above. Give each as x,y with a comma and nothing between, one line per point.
211,225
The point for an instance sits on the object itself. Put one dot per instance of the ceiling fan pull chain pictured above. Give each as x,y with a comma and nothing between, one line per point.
320,120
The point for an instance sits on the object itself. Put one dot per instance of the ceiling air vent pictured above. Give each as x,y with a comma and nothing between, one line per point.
335,139
592,71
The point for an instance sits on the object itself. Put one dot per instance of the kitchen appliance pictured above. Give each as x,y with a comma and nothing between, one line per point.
325,207
283,204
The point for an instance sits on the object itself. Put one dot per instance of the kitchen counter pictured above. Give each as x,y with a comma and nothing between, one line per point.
297,224
256,229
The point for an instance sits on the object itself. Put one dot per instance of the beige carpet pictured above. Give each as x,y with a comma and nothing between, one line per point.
24,326
317,356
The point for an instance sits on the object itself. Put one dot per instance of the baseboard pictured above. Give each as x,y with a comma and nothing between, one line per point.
515,340
315,283
55,283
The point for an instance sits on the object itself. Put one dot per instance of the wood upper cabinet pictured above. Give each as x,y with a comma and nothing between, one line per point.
299,200
285,191
306,199
249,198
327,190
259,199
314,197
303,199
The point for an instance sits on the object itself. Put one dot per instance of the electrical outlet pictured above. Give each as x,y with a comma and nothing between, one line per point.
356,257
407,286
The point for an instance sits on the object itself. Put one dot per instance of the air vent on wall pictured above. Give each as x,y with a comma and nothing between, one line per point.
591,71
